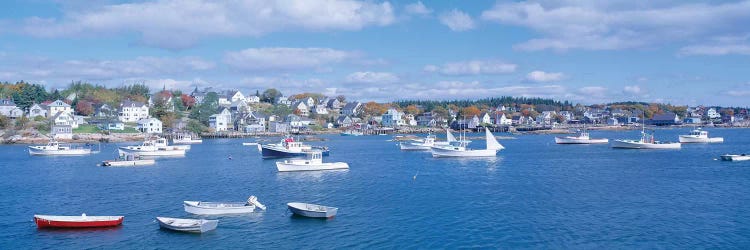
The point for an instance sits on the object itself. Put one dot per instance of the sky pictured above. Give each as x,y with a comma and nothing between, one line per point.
584,51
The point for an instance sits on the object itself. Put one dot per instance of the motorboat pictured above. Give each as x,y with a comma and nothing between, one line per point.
127,160
582,138
213,208
288,147
493,146
186,139
155,147
312,163
312,210
83,221
187,225
699,136
646,142
54,147
420,145
731,157
352,133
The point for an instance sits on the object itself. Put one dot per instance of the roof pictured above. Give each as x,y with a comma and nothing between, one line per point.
145,120
351,105
7,102
129,103
342,118
58,103
665,117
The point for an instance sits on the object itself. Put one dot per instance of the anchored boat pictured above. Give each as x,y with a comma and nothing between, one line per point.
186,139
213,208
54,147
127,160
312,163
731,157
290,148
83,221
699,136
493,146
312,210
581,138
646,142
156,147
187,225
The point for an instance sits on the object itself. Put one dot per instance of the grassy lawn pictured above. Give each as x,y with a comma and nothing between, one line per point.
127,130
86,129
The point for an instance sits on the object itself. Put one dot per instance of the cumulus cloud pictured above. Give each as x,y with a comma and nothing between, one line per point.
457,20
609,25
177,24
284,59
473,67
632,90
371,77
541,76
418,8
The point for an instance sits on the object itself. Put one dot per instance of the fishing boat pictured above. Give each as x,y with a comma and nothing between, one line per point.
54,221
290,148
581,138
186,139
451,140
352,133
731,157
312,163
312,210
213,208
420,145
127,160
493,146
54,147
699,136
155,147
646,142
187,225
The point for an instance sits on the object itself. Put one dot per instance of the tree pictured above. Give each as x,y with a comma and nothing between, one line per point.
195,126
412,109
373,109
29,94
470,111
22,122
187,101
4,122
84,107
271,95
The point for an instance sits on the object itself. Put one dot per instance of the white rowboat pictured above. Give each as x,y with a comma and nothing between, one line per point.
312,210
214,208
187,225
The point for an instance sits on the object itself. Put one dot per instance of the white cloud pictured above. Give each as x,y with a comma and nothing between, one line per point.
417,8
608,25
457,20
632,90
176,24
593,91
716,50
282,59
371,77
541,76
473,67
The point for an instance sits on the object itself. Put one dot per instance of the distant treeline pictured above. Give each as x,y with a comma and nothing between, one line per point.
493,102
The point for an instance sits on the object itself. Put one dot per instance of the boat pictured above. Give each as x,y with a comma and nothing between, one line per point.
352,133
186,139
127,160
54,147
731,157
155,147
450,139
646,142
213,208
699,136
83,221
290,148
312,210
187,225
312,163
419,145
493,146
581,138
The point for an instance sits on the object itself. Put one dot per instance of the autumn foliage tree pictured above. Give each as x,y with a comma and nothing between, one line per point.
187,101
412,109
84,107
470,111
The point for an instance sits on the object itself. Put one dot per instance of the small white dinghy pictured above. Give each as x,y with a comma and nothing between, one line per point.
312,163
312,210
187,225
731,157
214,208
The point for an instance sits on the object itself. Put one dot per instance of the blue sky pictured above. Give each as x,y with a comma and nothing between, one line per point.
681,52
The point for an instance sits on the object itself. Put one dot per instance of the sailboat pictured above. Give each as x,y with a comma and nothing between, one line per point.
460,150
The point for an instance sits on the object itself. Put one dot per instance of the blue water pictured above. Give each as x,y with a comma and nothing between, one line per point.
534,194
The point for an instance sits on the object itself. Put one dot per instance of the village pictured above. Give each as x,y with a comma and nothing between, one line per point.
230,113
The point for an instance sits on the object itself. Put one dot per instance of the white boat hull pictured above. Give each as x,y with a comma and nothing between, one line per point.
693,139
742,157
312,210
187,225
76,151
445,152
215,208
290,167
574,140
413,147
153,152
128,163
187,141
626,144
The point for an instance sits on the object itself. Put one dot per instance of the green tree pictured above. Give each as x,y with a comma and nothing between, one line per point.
271,95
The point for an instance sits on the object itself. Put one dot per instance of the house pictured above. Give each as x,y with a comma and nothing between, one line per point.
430,119
320,110
546,117
9,109
252,99
198,95
162,98
665,119
501,119
485,118
333,104
612,121
37,110
227,97
61,131
296,122
301,108
523,120
284,100
712,114
103,110
112,125
344,121
131,111
58,106
692,120
278,127
62,118
392,118
150,125
352,108
239,106
221,121
566,115
409,120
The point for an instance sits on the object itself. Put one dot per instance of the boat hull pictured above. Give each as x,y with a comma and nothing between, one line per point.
195,207
49,221
741,157
312,210
692,139
288,167
273,152
448,152
187,225
640,145
156,152
573,140
187,141
413,147
128,163
70,152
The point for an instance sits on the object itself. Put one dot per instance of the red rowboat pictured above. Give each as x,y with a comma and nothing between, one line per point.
77,221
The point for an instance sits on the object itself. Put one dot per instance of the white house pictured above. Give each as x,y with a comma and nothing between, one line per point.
501,119
131,111
712,114
150,125
309,101
352,108
64,119
61,131
302,107
252,99
227,97
284,100
485,118
320,110
392,118
221,121
409,120
37,110
9,109
59,106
